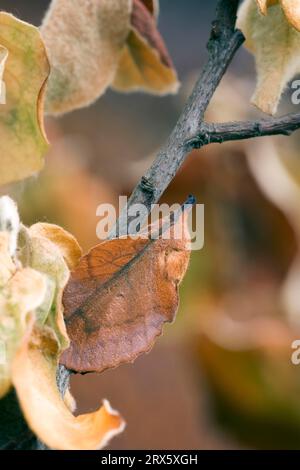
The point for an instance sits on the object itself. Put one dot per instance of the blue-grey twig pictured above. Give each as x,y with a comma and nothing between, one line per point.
224,41
228,131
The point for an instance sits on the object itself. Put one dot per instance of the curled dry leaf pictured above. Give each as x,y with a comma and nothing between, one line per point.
275,44
291,9
23,293
43,255
119,297
264,4
93,45
53,251
145,63
152,6
66,243
33,334
34,377
26,69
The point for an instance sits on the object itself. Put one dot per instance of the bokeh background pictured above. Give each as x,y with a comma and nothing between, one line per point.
221,377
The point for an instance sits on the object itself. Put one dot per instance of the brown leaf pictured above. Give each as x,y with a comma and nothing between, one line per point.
152,6
145,63
144,25
119,297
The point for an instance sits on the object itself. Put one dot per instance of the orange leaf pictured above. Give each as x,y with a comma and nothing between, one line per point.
145,63
291,10
119,297
34,377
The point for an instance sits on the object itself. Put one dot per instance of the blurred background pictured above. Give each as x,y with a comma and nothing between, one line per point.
221,377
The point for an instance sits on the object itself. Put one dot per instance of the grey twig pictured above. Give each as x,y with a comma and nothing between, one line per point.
224,41
228,131
191,131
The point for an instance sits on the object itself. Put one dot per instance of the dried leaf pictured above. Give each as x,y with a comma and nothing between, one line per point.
275,44
152,6
34,377
84,41
291,10
32,332
23,293
21,122
44,256
66,243
121,47
53,251
145,63
119,297
264,4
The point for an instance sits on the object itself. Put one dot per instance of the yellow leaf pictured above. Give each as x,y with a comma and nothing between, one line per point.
33,335
291,10
275,44
145,63
84,42
264,4
66,243
44,256
34,377
22,139
121,48
23,293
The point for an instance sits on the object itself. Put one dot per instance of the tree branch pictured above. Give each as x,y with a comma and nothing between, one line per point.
224,41
218,133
